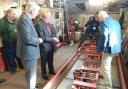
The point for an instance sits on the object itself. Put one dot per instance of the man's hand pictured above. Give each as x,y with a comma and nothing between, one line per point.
56,39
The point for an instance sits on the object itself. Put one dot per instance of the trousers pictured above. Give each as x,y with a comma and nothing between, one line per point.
106,69
30,67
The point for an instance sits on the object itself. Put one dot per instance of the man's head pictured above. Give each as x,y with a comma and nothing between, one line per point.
33,9
102,15
45,16
11,14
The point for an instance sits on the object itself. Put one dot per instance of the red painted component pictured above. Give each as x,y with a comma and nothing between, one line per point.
88,75
84,84
123,84
2,61
90,55
91,47
55,81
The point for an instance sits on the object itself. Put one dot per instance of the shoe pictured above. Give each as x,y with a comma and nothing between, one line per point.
71,44
21,67
101,76
45,77
38,85
2,80
53,73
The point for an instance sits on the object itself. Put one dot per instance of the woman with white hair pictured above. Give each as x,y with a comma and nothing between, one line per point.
28,43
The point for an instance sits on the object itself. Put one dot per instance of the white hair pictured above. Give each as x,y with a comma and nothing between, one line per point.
103,14
32,6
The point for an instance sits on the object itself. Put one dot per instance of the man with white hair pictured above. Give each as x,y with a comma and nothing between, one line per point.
109,44
28,43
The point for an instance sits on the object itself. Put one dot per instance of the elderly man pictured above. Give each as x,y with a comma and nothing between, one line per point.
108,43
28,43
48,47
8,33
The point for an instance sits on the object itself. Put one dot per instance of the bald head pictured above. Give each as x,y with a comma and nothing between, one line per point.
102,15
11,14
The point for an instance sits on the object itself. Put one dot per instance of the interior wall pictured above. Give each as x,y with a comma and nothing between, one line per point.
6,4
84,17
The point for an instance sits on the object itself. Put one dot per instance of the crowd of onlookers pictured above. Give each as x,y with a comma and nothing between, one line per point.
24,41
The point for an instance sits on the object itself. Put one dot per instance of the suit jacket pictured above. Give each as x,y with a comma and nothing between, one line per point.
27,39
48,43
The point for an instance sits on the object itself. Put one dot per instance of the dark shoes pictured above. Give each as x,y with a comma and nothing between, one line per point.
45,77
2,80
38,85
101,76
53,73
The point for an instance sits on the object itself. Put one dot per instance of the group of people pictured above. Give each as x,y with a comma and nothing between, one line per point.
108,41
27,41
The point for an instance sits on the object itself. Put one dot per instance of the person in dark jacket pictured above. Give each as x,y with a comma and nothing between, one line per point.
91,28
109,44
9,40
48,47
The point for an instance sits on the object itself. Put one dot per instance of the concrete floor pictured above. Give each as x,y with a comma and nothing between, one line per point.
17,80
68,80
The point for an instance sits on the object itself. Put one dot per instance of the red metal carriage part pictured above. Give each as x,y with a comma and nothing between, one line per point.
91,55
55,81
3,65
90,47
88,75
92,64
90,42
78,84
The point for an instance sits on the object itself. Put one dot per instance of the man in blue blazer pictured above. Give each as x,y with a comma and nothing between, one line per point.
28,43
108,43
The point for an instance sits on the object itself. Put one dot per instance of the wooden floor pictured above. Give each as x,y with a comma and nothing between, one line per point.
17,81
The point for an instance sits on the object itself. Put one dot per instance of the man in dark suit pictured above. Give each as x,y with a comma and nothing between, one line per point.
48,47
28,43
